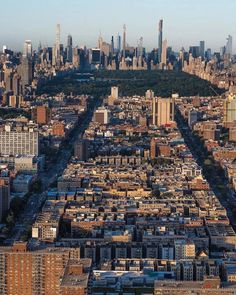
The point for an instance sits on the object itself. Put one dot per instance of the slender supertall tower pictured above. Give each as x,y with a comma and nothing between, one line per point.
160,40
57,47
112,45
124,40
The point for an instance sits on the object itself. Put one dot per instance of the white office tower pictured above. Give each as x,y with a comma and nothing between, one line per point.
27,51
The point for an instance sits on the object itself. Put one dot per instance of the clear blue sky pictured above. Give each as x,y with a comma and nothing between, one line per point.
185,21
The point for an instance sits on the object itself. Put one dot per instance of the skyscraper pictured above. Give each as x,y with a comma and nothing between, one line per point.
26,72
69,49
112,45
160,40
140,47
202,49
27,52
162,111
164,53
100,41
195,51
229,45
118,45
57,46
124,40
208,53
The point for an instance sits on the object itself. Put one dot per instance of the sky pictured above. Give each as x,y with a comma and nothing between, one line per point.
186,22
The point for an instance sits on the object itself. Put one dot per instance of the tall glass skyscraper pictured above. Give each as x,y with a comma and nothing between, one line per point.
160,40
229,45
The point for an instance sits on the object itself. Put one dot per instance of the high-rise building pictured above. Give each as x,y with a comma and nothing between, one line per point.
27,51
195,51
95,56
8,79
124,40
51,271
15,142
69,49
16,84
164,53
100,41
202,49
162,111
230,108
184,249
118,41
41,114
112,46
26,72
140,48
4,196
115,92
114,95
229,46
4,48
208,53
160,39
192,117
101,116
149,94
75,57
153,148
57,49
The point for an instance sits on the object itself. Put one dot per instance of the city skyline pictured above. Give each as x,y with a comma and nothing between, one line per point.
185,23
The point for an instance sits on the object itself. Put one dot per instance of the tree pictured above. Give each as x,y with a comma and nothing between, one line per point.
36,186
10,219
16,205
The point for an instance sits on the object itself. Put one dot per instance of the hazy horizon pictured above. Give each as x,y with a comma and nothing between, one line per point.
185,22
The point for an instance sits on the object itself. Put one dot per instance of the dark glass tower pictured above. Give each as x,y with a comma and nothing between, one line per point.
160,40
